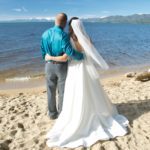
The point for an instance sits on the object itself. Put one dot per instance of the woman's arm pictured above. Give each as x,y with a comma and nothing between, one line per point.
62,58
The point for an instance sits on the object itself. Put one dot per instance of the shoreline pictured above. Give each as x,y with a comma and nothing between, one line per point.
38,82
37,86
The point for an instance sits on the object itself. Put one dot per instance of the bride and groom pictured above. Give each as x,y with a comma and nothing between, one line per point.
85,112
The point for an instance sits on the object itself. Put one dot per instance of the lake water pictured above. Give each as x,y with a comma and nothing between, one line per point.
121,45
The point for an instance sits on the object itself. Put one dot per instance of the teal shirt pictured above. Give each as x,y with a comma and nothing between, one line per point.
56,42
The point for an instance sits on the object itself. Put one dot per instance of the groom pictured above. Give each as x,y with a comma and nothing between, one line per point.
56,42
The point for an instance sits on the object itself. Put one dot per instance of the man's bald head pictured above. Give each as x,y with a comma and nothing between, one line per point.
61,20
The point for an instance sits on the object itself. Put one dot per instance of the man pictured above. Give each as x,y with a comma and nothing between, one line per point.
56,42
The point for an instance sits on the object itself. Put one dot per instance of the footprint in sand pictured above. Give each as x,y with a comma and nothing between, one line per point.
13,132
4,144
21,126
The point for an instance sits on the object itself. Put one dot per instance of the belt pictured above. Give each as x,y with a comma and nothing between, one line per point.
56,62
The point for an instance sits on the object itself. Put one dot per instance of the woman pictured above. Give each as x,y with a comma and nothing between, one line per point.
87,115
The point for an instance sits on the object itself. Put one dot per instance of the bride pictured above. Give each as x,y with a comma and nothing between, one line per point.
87,115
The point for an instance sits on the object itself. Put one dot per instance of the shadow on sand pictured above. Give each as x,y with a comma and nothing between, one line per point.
134,109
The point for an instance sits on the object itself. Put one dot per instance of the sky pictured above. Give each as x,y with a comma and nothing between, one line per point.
24,9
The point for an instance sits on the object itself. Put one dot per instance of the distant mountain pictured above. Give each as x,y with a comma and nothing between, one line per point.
136,18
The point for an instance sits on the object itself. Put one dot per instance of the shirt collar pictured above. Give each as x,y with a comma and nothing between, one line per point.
58,27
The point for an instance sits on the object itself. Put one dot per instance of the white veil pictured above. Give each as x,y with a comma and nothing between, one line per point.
91,54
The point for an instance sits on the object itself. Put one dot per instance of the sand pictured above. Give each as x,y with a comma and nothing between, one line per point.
24,121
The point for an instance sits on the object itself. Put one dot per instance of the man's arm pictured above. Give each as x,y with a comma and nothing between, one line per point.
67,48
42,49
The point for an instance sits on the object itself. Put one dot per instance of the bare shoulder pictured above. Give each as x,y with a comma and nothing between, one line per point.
78,46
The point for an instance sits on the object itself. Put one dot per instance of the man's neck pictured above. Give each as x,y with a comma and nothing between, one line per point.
59,27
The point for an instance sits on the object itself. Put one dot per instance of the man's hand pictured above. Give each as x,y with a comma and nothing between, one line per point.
47,57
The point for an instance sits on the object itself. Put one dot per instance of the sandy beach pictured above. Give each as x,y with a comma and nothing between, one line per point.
24,121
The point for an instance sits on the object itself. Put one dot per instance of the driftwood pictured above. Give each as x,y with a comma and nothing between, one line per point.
145,76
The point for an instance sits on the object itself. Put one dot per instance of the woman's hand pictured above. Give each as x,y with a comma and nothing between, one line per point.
62,58
48,57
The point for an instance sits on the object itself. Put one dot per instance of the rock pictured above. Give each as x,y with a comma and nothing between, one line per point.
130,74
145,76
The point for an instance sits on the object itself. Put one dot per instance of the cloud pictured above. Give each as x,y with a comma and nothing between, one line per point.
22,9
42,17
17,9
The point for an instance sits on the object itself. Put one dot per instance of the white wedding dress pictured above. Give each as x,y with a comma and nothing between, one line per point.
87,115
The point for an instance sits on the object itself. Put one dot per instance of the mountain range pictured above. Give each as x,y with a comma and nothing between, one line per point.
136,18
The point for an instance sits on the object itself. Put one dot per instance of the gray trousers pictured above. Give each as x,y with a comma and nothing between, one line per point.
55,78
